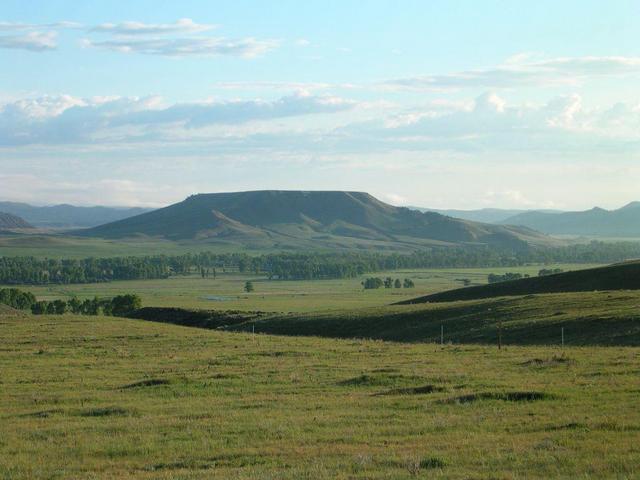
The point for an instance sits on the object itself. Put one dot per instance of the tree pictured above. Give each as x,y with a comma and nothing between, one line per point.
39,308
397,283
59,306
122,305
75,305
388,282
91,307
408,283
248,286
372,283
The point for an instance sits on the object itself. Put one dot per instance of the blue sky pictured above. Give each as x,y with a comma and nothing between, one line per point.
441,104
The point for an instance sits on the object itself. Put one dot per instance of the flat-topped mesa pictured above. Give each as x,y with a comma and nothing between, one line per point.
309,219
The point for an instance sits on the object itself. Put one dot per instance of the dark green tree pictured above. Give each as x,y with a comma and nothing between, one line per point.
59,306
122,305
39,308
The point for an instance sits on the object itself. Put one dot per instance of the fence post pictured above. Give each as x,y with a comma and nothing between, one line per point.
441,335
562,334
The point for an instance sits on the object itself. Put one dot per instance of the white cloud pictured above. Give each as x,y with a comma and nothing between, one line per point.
183,25
32,41
187,46
520,71
66,120
286,86
18,26
107,191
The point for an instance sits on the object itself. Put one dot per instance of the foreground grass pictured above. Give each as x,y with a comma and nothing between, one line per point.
101,397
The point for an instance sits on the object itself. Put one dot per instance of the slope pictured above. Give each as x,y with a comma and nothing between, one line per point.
588,318
9,221
623,276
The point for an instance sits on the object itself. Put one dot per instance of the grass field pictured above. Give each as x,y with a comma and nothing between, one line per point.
101,397
585,318
226,291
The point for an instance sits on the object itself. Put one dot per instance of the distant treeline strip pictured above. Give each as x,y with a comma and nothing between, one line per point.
297,266
119,306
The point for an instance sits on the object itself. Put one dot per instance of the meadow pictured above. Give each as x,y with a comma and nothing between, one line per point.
104,397
226,291
86,397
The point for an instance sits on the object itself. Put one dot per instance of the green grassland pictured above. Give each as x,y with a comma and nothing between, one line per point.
587,318
619,276
102,397
226,291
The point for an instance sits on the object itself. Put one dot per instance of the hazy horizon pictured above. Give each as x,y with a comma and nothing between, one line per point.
390,202
466,106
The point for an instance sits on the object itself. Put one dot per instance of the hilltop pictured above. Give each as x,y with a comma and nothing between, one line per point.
623,276
623,222
317,219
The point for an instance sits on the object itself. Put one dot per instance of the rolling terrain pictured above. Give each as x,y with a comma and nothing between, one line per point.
598,222
587,318
68,216
624,276
105,397
298,219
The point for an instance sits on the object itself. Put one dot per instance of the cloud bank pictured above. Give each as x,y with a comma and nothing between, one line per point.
519,71
68,120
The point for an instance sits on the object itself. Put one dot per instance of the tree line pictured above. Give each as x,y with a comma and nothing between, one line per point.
496,277
118,306
376,282
297,266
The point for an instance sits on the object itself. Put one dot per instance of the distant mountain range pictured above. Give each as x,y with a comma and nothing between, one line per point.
68,216
485,215
10,222
299,219
598,222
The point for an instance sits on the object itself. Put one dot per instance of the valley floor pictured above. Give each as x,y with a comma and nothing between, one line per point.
101,397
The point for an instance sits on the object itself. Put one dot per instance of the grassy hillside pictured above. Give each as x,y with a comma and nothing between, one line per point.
107,398
603,318
624,276
297,219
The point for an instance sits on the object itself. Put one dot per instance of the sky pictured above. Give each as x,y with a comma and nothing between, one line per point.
439,104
